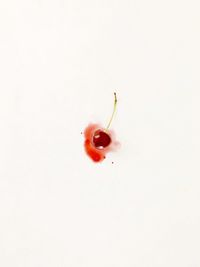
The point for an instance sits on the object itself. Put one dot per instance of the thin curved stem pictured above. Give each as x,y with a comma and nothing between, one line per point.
113,113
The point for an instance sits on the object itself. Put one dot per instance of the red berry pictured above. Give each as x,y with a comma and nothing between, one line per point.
98,141
101,139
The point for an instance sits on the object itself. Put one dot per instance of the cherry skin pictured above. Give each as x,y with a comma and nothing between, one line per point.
101,139
98,140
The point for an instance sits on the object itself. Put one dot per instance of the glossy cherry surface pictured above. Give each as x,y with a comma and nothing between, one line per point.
101,139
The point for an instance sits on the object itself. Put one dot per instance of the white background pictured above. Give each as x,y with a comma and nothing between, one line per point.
60,62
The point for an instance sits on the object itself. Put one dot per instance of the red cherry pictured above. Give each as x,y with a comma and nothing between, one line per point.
101,139
98,140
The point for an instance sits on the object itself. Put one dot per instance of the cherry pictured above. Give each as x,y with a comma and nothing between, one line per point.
101,139
98,140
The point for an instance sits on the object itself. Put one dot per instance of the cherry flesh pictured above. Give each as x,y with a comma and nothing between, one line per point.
101,139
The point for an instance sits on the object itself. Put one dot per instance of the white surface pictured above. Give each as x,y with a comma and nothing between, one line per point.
60,62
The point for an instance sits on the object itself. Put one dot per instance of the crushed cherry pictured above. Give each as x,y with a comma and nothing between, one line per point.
98,141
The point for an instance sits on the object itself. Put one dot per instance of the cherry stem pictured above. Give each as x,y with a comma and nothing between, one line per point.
113,113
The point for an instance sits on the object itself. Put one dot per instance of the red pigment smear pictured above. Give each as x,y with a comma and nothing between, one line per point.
97,155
